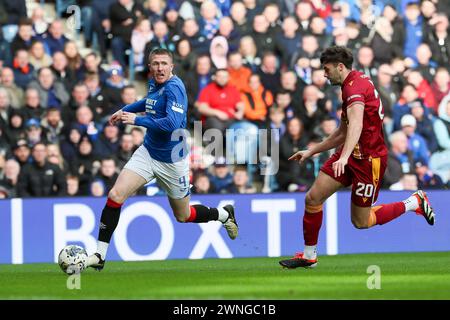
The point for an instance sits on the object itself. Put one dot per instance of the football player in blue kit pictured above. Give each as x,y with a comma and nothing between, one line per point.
161,156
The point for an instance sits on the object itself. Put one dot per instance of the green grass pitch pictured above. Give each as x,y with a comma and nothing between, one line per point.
403,276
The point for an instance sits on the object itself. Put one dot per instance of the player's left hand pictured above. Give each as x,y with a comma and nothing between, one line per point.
339,167
128,117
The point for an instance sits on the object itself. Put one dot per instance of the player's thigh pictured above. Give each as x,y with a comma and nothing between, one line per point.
323,187
174,179
360,216
136,173
127,183
366,180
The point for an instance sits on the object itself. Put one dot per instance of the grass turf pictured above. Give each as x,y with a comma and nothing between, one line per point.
403,276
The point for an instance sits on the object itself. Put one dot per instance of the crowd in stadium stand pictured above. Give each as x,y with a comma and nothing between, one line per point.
246,65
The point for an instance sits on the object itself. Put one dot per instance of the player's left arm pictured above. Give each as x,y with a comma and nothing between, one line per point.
355,115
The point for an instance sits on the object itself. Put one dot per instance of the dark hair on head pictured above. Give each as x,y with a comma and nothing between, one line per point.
240,168
160,51
25,22
337,54
220,69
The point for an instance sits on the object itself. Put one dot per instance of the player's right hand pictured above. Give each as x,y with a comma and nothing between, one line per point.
300,156
116,117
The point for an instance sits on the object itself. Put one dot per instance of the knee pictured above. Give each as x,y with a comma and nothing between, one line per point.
116,196
312,200
358,224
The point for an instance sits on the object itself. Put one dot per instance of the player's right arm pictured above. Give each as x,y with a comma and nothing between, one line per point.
138,106
336,139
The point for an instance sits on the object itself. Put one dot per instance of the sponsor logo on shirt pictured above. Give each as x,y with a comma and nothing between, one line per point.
177,107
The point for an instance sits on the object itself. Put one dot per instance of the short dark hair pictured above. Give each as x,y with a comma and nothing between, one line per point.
160,51
337,54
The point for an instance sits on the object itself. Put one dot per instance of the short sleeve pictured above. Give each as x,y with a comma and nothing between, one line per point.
354,91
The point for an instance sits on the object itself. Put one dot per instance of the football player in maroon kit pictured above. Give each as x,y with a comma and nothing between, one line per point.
360,159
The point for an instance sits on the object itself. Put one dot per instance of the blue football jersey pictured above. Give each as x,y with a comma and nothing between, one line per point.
165,111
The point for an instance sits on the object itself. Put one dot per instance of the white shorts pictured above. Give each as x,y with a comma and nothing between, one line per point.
172,177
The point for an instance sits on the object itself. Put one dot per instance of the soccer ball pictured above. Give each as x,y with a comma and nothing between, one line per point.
72,259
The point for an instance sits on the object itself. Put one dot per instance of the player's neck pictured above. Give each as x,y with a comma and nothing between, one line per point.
345,74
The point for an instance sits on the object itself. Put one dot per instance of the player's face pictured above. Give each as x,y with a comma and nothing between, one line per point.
332,73
161,67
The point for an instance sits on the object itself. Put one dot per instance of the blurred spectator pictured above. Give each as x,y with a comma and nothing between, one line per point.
427,179
108,172
123,16
41,178
51,92
310,52
413,30
239,74
202,184
441,125
309,170
381,40
97,188
242,22
209,22
23,38
283,101
62,72
173,21
438,39
423,89
289,41
55,38
38,57
113,86
16,129
252,8
220,177
408,182
73,184
84,120
400,159
138,137
265,41
34,134
140,36
240,181
226,29
220,103
74,60
318,27
249,52
184,59
191,31
365,62
52,125
15,93
276,123
40,24
218,51
69,143
292,141
126,149
408,97
10,177
289,82
160,38
313,107
257,101
424,123
54,156
107,143
79,97
269,72
425,65
5,108
416,143
32,108
5,52
23,70
84,164
304,14
389,91
96,99
441,84
92,66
